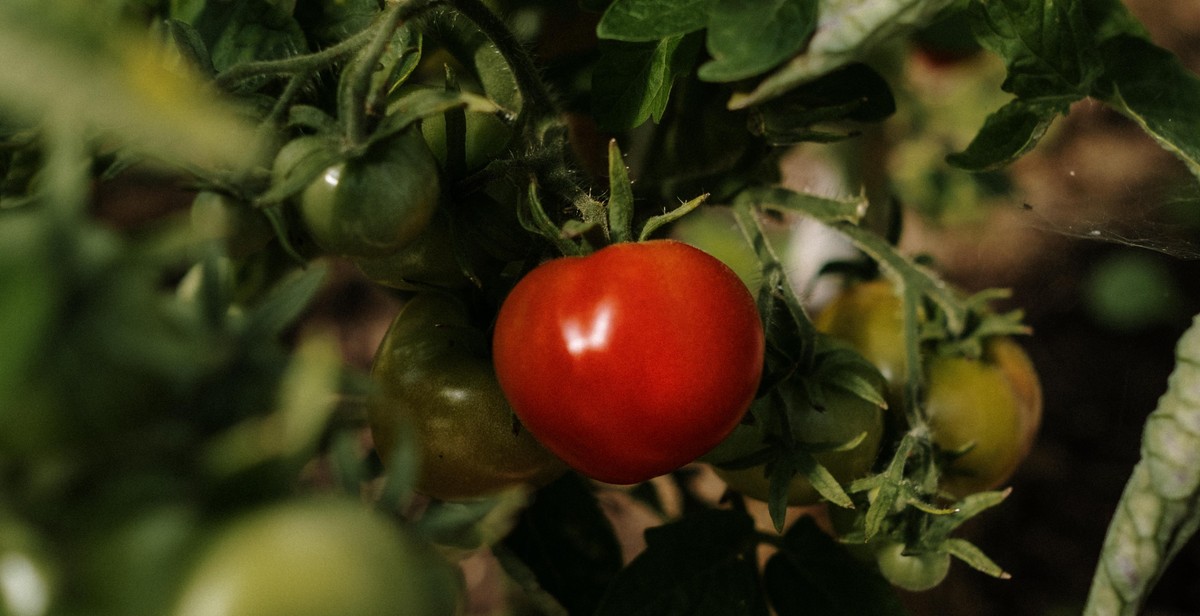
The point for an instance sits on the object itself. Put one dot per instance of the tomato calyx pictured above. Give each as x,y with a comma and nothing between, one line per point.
814,431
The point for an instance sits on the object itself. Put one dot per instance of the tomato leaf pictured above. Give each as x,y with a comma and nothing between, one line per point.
620,196
1061,52
567,543
854,93
968,553
632,81
824,209
654,223
244,31
285,302
747,37
1136,73
812,574
848,32
651,20
697,565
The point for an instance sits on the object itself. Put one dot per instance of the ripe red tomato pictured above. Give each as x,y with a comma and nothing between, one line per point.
630,362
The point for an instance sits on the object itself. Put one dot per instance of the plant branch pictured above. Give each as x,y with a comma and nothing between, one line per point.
536,99
308,63
352,107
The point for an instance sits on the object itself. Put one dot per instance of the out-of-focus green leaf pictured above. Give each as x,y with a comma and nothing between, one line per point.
118,83
244,31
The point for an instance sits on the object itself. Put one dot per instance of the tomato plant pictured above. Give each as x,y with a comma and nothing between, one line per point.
661,343
213,212
433,377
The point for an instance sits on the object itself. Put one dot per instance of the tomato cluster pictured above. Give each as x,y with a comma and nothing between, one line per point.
983,412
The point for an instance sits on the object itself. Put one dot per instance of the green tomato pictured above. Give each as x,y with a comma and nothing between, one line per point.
486,139
987,407
430,260
868,317
911,571
434,376
370,206
317,557
844,418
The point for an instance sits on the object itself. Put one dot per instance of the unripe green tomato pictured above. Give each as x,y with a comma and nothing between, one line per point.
991,405
486,138
845,417
316,558
430,260
434,376
373,205
914,572
868,316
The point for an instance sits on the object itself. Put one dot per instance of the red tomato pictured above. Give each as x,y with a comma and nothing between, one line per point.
630,362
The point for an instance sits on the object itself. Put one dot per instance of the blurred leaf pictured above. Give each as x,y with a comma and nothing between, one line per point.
119,83
472,524
239,31
566,541
285,303
747,37
329,22
651,20
813,574
699,565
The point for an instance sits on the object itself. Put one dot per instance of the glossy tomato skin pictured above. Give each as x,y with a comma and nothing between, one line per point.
373,205
632,361
317,557
845,417
434,378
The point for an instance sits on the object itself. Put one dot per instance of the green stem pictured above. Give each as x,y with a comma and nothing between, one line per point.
306,64
537,101
352,103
